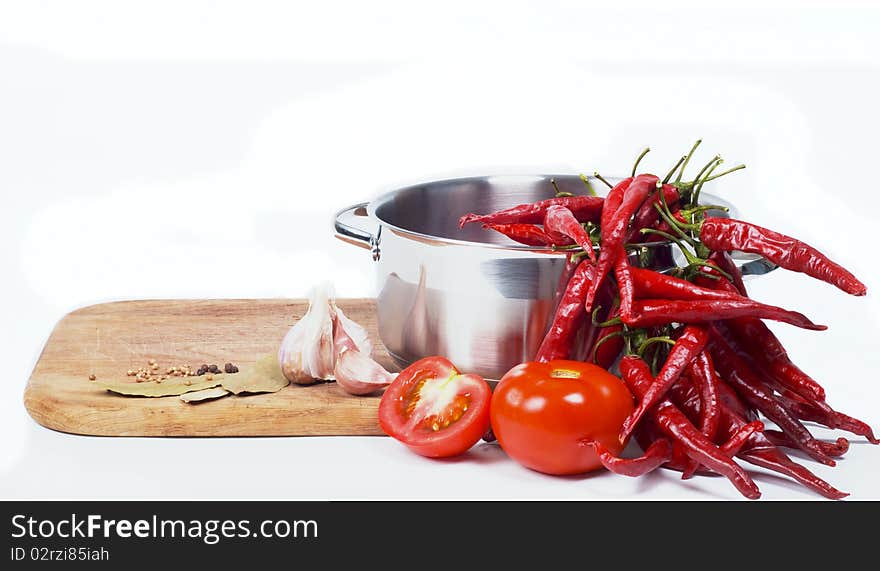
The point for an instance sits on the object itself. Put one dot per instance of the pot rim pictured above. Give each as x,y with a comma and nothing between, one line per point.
386,197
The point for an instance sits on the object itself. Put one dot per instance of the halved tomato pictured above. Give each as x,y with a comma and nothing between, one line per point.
434,409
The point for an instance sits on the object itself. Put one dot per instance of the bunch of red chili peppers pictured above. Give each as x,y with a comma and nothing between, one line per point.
689,342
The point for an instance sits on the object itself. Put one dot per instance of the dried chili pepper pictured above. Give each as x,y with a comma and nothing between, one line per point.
613,200
609,343
560,220
569,314
766,349
723,260
690,344
702,373
653,312
651,284
529,234
625,285
614,231
771,356
749,386
827,416
784,251
834,449
657,454
671,421
584,208
647,216
758,448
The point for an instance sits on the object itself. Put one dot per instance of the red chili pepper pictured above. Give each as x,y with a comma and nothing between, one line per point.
834,449
560,220
690,344
702,373
585,208
570,313
731,448
613,200
766,349
647,215
772,357
614,231
749,386
654,312
723,260
609,342
529,234
758,448
625,284
827,416
784,251
672,422
651,284
657,454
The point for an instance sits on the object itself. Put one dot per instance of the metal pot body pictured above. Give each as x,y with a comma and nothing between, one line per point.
469,294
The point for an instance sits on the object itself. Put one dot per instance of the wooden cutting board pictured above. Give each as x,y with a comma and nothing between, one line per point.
109,339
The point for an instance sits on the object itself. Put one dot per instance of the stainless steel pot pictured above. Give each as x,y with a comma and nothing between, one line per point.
469,294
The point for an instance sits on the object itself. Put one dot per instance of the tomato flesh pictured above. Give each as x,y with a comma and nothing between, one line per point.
543,414
434,409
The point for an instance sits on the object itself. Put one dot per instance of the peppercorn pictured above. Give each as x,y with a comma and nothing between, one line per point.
92,377
230,368
214,369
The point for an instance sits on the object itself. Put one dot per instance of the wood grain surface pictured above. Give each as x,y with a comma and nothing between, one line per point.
108,339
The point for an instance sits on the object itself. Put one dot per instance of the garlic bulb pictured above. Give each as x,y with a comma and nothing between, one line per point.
307,352
358,374
325,344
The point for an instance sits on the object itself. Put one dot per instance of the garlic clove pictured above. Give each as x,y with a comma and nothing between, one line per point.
356,332
358,374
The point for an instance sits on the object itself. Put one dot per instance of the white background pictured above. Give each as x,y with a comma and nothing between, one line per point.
198,149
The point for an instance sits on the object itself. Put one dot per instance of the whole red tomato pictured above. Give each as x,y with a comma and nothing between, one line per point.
543,414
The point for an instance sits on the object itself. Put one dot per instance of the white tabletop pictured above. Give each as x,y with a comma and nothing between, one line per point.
136,161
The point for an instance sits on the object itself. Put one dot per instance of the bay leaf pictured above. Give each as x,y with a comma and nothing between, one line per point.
167,388
204,395
264,376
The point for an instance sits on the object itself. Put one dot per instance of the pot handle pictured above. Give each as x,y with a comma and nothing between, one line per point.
348,230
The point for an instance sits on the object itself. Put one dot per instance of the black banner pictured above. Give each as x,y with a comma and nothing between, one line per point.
114,534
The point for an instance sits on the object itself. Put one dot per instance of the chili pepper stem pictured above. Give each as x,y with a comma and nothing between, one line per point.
728,171
602,341
586,181
687,187
600,177
695,197
650,341
687,159
639,158
674,168
691,258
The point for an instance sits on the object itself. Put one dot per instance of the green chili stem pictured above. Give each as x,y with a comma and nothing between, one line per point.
695,197
590,190
609,323
691,258
601,342
639,158
687,160
600,177
650,341
728,171
674,168
703,208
